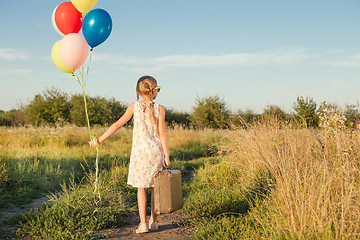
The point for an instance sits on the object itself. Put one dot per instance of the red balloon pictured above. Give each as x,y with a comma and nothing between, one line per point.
67,18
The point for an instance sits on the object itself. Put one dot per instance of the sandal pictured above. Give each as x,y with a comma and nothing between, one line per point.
142,228
154,226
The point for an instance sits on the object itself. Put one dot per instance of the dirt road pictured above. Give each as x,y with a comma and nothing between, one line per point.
169,225
169,228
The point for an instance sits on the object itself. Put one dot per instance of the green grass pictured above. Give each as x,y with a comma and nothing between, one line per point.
227,226
189,166
77,212
269,181
216,202
28,178
59,161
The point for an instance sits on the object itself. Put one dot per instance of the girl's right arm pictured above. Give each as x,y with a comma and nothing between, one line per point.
113,128
163,136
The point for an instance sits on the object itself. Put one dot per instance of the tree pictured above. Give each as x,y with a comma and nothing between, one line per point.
210,112
34,110
14,117
117,109
275,111
305,109
100,110
173,117
352,114
242,118
5,119
51,106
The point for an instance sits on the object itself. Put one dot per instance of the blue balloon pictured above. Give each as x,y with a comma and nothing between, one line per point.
96,27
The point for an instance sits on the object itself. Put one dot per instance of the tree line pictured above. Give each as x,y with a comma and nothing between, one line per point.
213,112
56,108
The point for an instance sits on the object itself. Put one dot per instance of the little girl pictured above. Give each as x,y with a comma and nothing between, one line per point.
149,146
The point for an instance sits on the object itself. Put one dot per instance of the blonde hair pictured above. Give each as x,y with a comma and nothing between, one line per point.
144,87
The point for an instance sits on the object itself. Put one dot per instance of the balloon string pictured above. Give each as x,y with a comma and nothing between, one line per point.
96,183
82,83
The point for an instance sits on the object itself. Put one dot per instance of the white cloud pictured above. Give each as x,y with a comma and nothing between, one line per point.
255,59
238,59
346,61
14,71
272,57
13,54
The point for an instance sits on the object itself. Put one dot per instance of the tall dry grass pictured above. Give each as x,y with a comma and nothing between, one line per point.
179,136
312,176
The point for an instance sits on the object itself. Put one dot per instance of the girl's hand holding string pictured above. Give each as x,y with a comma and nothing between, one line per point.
95,142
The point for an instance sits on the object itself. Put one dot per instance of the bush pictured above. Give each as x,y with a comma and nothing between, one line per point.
274,111
101,111
210,112
352,115
244,118
5,119
305,109
50,107
55,107
173,118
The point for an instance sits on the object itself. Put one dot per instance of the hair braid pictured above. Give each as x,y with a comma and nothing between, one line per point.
145,86
151,110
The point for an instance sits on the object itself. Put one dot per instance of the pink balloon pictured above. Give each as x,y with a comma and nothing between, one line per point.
73,50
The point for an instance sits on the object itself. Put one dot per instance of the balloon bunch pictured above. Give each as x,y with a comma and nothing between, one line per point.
69,53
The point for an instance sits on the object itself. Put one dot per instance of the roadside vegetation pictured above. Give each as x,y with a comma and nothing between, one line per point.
257,176
37,161
277,180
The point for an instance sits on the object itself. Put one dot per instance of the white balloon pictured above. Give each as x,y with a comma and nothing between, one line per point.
54,23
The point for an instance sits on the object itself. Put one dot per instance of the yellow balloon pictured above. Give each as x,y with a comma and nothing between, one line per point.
84,6
55,55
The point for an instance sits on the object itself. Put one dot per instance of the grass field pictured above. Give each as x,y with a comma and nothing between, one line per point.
269,181
278,181
37,161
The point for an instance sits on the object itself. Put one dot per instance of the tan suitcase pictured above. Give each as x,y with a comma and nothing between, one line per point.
167,191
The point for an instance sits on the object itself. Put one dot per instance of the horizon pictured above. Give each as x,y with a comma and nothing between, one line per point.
236,111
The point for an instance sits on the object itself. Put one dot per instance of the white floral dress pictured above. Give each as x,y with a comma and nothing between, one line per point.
146,152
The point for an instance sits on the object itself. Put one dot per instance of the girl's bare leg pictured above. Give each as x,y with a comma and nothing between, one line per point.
153,214
142,204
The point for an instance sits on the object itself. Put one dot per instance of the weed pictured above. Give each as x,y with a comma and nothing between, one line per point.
301,183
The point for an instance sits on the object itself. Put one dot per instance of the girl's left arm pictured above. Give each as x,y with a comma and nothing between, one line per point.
114,127
163,135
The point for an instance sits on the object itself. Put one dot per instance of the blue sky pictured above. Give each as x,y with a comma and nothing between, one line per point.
249,53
